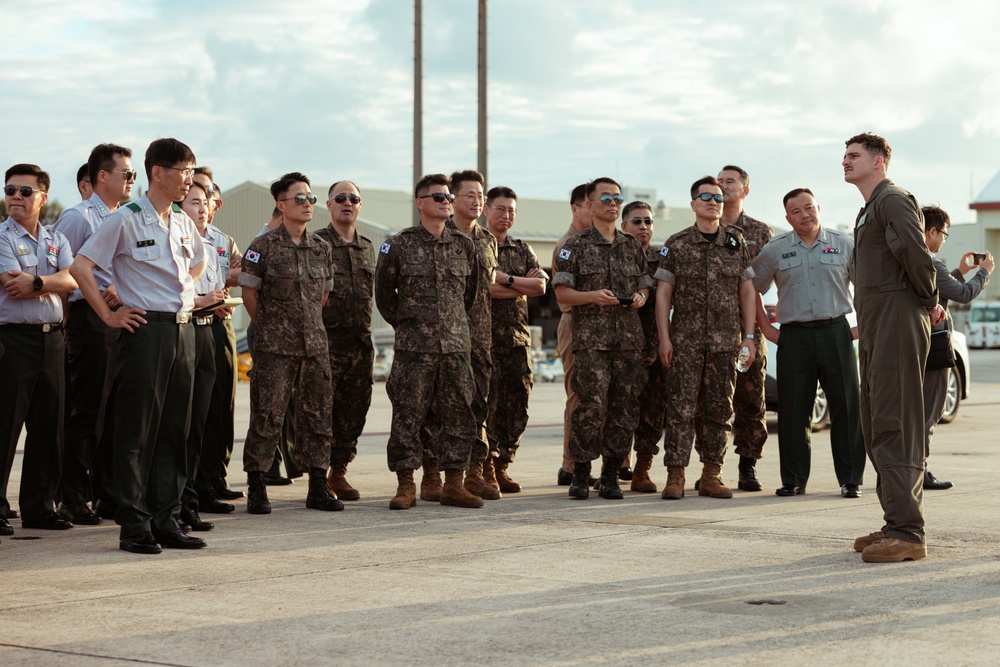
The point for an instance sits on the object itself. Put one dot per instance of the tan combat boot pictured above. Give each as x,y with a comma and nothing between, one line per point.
455,494
476,485
507,485
711,482
406,492
337,482
430,482
640,474
489,473
674,490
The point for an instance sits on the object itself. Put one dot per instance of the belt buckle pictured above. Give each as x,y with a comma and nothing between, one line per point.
46,327
183,318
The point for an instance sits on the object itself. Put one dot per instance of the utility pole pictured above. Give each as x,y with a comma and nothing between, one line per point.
418,99
482,92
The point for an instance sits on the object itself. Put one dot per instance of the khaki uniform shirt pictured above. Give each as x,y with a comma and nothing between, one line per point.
812,280
426,287
510,316
590,262
347,314
290,281
706,276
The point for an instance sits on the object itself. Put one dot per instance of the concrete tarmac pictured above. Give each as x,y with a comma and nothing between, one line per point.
534,578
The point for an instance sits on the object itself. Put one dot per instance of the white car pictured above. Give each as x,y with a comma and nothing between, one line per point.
958,377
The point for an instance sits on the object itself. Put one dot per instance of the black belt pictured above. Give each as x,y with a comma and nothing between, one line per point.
37,328
816,324
161,316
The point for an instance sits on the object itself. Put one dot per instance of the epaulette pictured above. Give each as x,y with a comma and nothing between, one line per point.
134,206
176,208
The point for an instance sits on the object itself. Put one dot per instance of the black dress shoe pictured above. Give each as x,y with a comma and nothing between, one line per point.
50,521
790,490
564,478
191,518
178,540
5,527
932,483
215,506
143,543
80,514
106,509
625,473
276,481
850,491
13,514
225,493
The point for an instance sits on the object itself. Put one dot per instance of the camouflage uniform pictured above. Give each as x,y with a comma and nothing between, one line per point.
348,319
705,330
291,348
512,379
750,423
425,288
653,403
607,342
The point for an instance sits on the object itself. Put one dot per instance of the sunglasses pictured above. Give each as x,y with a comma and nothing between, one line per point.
341,198
130,174
26,190
607,199
641,221
708,196
301,199
439,197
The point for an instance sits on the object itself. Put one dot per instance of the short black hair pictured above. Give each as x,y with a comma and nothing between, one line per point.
25,169
744,176
704,180
166,153
83,174
632,205
459,177
425,183
579,194
935,217
500,191
874,144
592,186
280,186
102,158
792,194
329,193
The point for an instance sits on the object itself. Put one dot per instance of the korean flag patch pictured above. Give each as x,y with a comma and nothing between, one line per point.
252,256
385,248
664,251
565,253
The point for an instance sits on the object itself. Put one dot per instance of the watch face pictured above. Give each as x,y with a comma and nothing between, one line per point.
37,283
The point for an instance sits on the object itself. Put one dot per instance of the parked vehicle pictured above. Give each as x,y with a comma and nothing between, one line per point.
984,324
958,377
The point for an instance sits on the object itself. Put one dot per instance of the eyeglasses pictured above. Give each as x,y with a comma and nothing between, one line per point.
607,199
439,197
301,199
341,198
503,210
708,196
186,172
474,196
26,190
641,221
130,174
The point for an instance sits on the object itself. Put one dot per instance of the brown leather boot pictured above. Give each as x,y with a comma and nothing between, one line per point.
430,482
711,482
454,492
674,490
406,492
489,473
338,484
476,485
507,485
640,474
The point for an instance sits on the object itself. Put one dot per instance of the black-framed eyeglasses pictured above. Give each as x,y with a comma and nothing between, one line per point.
439,197
301,199
607,199
708,196
641,221
503,210
186,172
341,198
26,190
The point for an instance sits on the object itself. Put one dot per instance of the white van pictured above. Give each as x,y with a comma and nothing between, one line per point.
984,324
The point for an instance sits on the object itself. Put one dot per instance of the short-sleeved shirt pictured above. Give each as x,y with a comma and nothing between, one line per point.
225,248
347,314
706,276
480,324
290,281
20,251
510,316
151,262
215,275
589,262
812,280
77,224
425,288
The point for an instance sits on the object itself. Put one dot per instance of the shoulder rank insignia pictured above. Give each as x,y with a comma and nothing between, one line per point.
565,253
385,248
732,242
252,256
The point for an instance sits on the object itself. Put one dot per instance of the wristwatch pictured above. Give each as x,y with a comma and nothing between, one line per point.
37,283
510,281
748,336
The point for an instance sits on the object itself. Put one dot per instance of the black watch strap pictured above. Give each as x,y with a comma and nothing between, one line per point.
37,283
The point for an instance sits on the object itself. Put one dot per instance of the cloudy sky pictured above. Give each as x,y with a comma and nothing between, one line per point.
655,93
